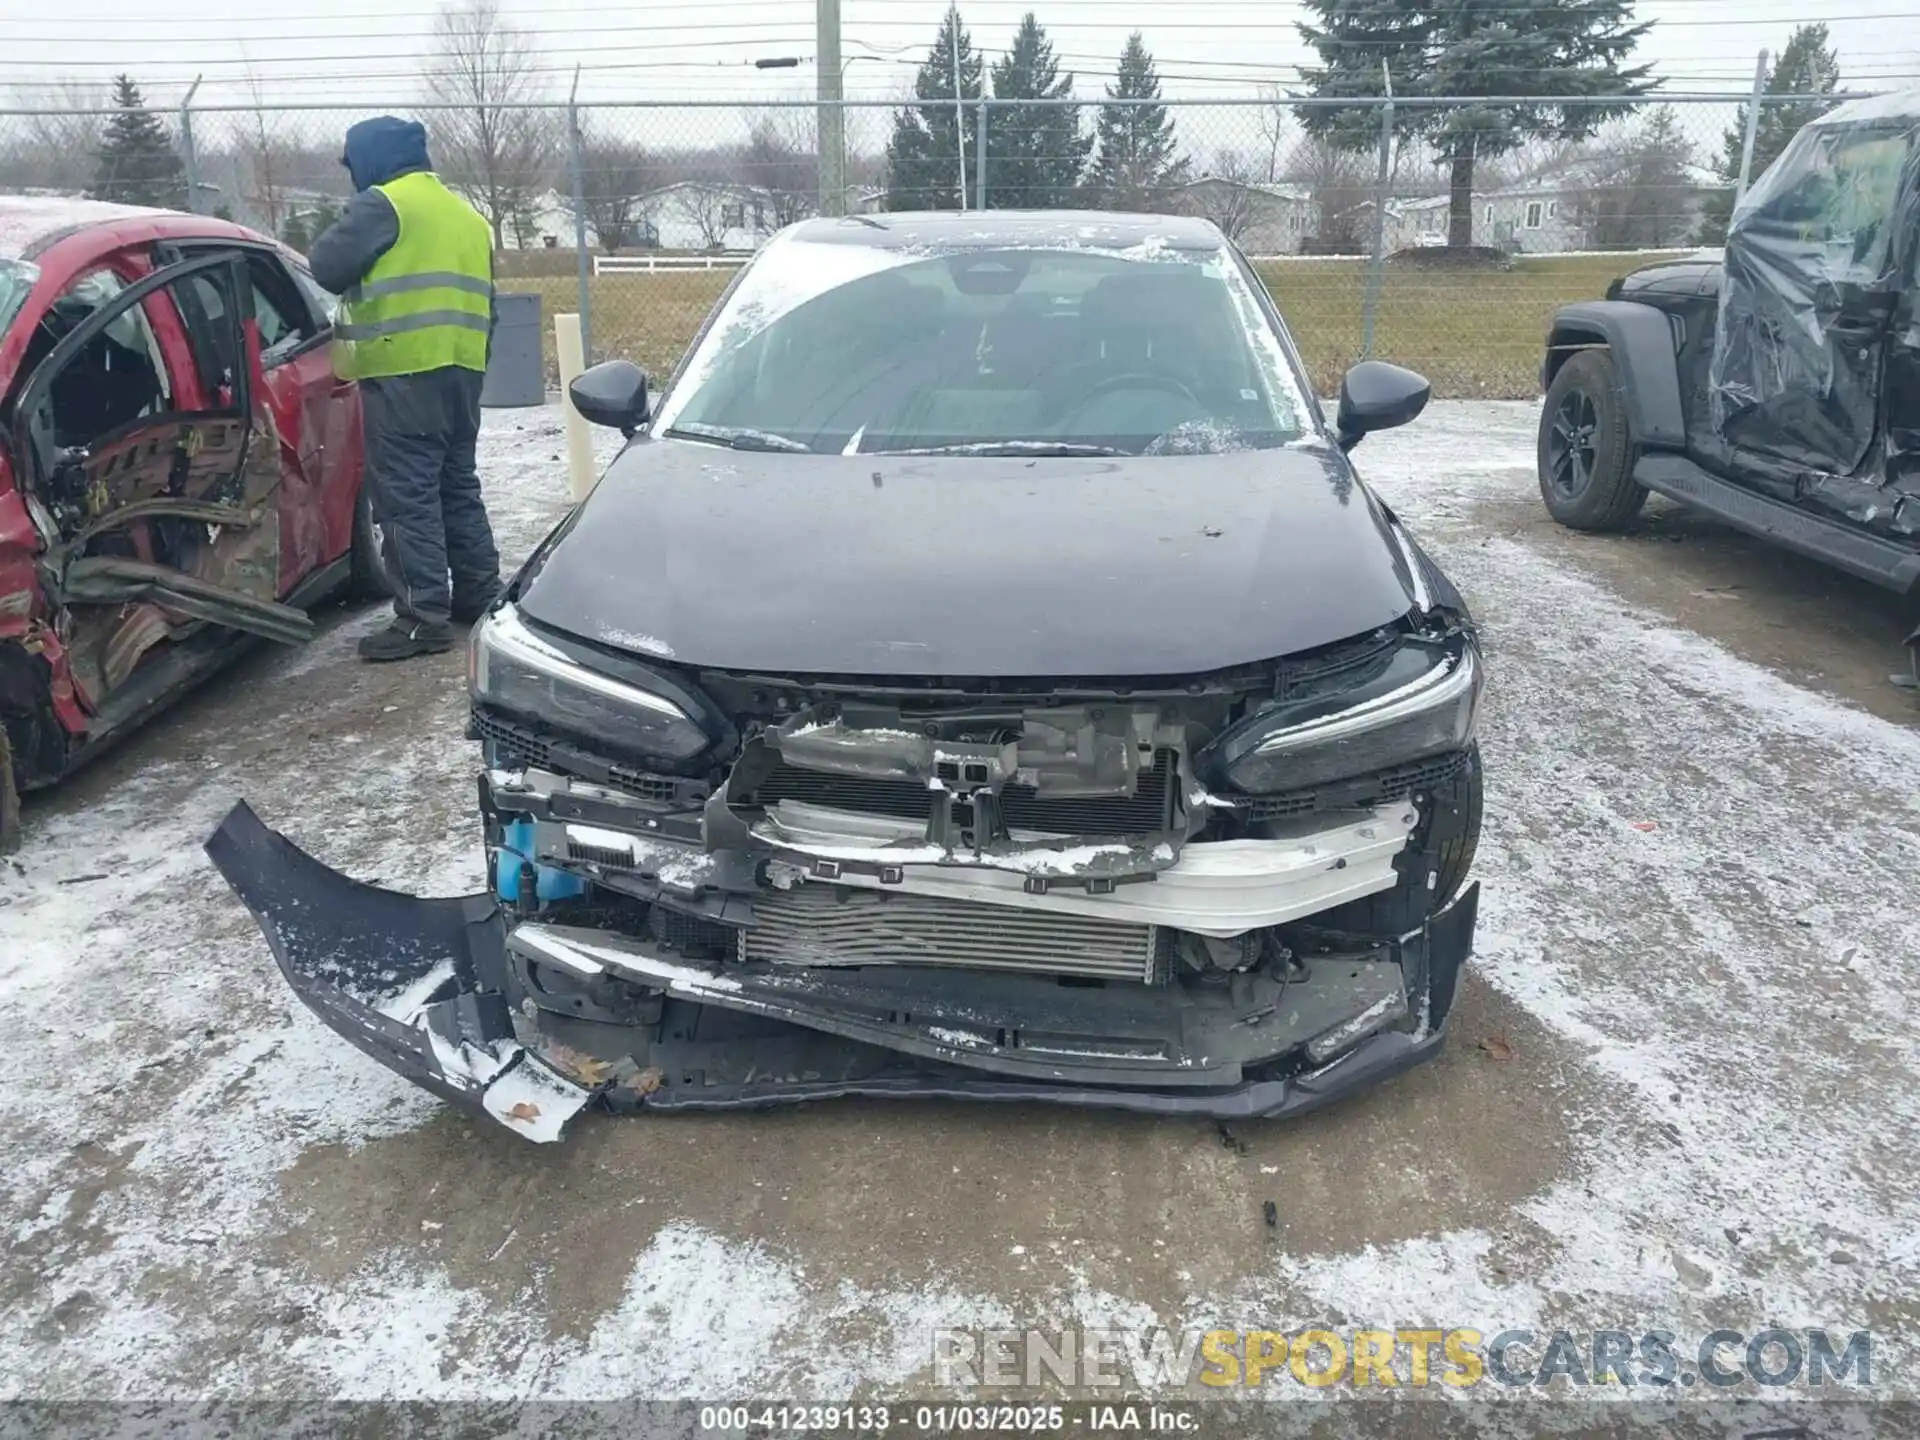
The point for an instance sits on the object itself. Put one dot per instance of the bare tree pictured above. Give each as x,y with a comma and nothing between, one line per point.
55,148
704,206
1337,182
263,162
1638,191
1226,194
1273,117
616,178
494,146
779,163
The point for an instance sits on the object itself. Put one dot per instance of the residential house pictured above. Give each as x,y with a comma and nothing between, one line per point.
1593,204
710,215
547,225
1410,223
1262,218
686,215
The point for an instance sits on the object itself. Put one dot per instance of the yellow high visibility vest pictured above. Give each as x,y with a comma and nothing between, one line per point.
428,302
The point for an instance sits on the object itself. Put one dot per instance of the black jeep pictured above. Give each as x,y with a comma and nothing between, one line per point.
1777,388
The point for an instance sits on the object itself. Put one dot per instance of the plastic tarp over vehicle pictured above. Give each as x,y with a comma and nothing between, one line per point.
1817,332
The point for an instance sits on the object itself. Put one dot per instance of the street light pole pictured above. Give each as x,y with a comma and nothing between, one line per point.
831,129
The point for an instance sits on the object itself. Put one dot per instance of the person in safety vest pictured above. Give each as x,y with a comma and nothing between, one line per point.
413,265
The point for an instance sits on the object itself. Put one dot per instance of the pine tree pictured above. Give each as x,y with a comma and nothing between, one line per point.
924,170
1806,67
1036,155
137,163
1488,49
1138,161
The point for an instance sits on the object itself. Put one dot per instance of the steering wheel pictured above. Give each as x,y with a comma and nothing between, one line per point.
1131,380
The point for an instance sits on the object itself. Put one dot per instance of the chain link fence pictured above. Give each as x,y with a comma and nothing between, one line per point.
1438,236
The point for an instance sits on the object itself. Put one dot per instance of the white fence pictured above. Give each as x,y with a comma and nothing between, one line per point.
646,264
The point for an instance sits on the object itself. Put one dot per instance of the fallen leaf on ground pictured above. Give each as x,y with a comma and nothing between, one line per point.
524,1110
1497,1048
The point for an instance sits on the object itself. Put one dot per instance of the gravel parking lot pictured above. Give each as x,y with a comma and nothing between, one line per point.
1683,1089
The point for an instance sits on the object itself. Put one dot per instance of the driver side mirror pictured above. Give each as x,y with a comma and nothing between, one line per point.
1377,396
614,394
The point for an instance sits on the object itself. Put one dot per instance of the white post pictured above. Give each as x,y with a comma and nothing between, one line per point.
566,341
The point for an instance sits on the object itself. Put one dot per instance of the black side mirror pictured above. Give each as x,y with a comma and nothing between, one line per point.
614,394
1377,396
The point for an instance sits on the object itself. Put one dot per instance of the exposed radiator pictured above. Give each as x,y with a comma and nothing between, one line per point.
1140,813
814,924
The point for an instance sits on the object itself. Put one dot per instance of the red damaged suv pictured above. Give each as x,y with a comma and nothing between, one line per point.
179,469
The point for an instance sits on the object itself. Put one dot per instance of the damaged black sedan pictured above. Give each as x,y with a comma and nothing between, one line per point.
982,675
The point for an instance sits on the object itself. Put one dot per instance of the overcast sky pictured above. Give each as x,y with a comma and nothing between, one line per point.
308,51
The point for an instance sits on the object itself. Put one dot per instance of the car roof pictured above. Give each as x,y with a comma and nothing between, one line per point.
1896,105
1011,229
30,224
30,221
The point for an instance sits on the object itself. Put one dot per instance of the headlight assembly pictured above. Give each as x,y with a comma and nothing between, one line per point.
511,667
1421,703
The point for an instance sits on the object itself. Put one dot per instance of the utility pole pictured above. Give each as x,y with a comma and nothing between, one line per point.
959,109
832,125
577,166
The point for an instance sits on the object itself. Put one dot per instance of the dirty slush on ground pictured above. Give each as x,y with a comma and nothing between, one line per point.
1681,1091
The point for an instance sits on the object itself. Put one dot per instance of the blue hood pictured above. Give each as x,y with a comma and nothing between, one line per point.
384,148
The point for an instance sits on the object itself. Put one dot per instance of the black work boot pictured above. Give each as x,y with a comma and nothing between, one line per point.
404,639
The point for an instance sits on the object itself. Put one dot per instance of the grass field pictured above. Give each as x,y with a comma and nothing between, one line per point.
1473,333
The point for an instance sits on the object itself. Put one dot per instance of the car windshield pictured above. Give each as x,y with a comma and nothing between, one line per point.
845,349
16,279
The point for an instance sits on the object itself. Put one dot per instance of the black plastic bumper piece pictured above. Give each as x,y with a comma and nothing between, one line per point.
424,987
416,984
1373,1060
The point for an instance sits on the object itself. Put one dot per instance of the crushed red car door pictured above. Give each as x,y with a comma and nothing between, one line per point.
299,386
153,476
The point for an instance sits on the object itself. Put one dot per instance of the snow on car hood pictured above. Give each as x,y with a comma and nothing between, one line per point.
971,566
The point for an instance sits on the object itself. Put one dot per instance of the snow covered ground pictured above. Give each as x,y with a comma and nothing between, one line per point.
1682,1091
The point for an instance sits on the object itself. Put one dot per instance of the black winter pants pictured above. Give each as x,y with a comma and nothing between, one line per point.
435,540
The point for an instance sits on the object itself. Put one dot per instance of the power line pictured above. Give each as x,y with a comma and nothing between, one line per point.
223,24
708,27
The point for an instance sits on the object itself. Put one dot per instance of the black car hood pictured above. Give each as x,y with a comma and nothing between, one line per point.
968,565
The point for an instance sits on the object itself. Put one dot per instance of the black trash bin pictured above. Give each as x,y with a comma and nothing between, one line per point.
516,370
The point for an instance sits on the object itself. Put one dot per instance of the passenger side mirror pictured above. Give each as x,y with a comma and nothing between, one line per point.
613,394
1377,396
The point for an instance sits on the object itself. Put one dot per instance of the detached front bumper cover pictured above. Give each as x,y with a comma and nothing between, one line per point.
416,984
423,987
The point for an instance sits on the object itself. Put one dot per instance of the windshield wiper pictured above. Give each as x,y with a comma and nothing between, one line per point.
1009,447
737,437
